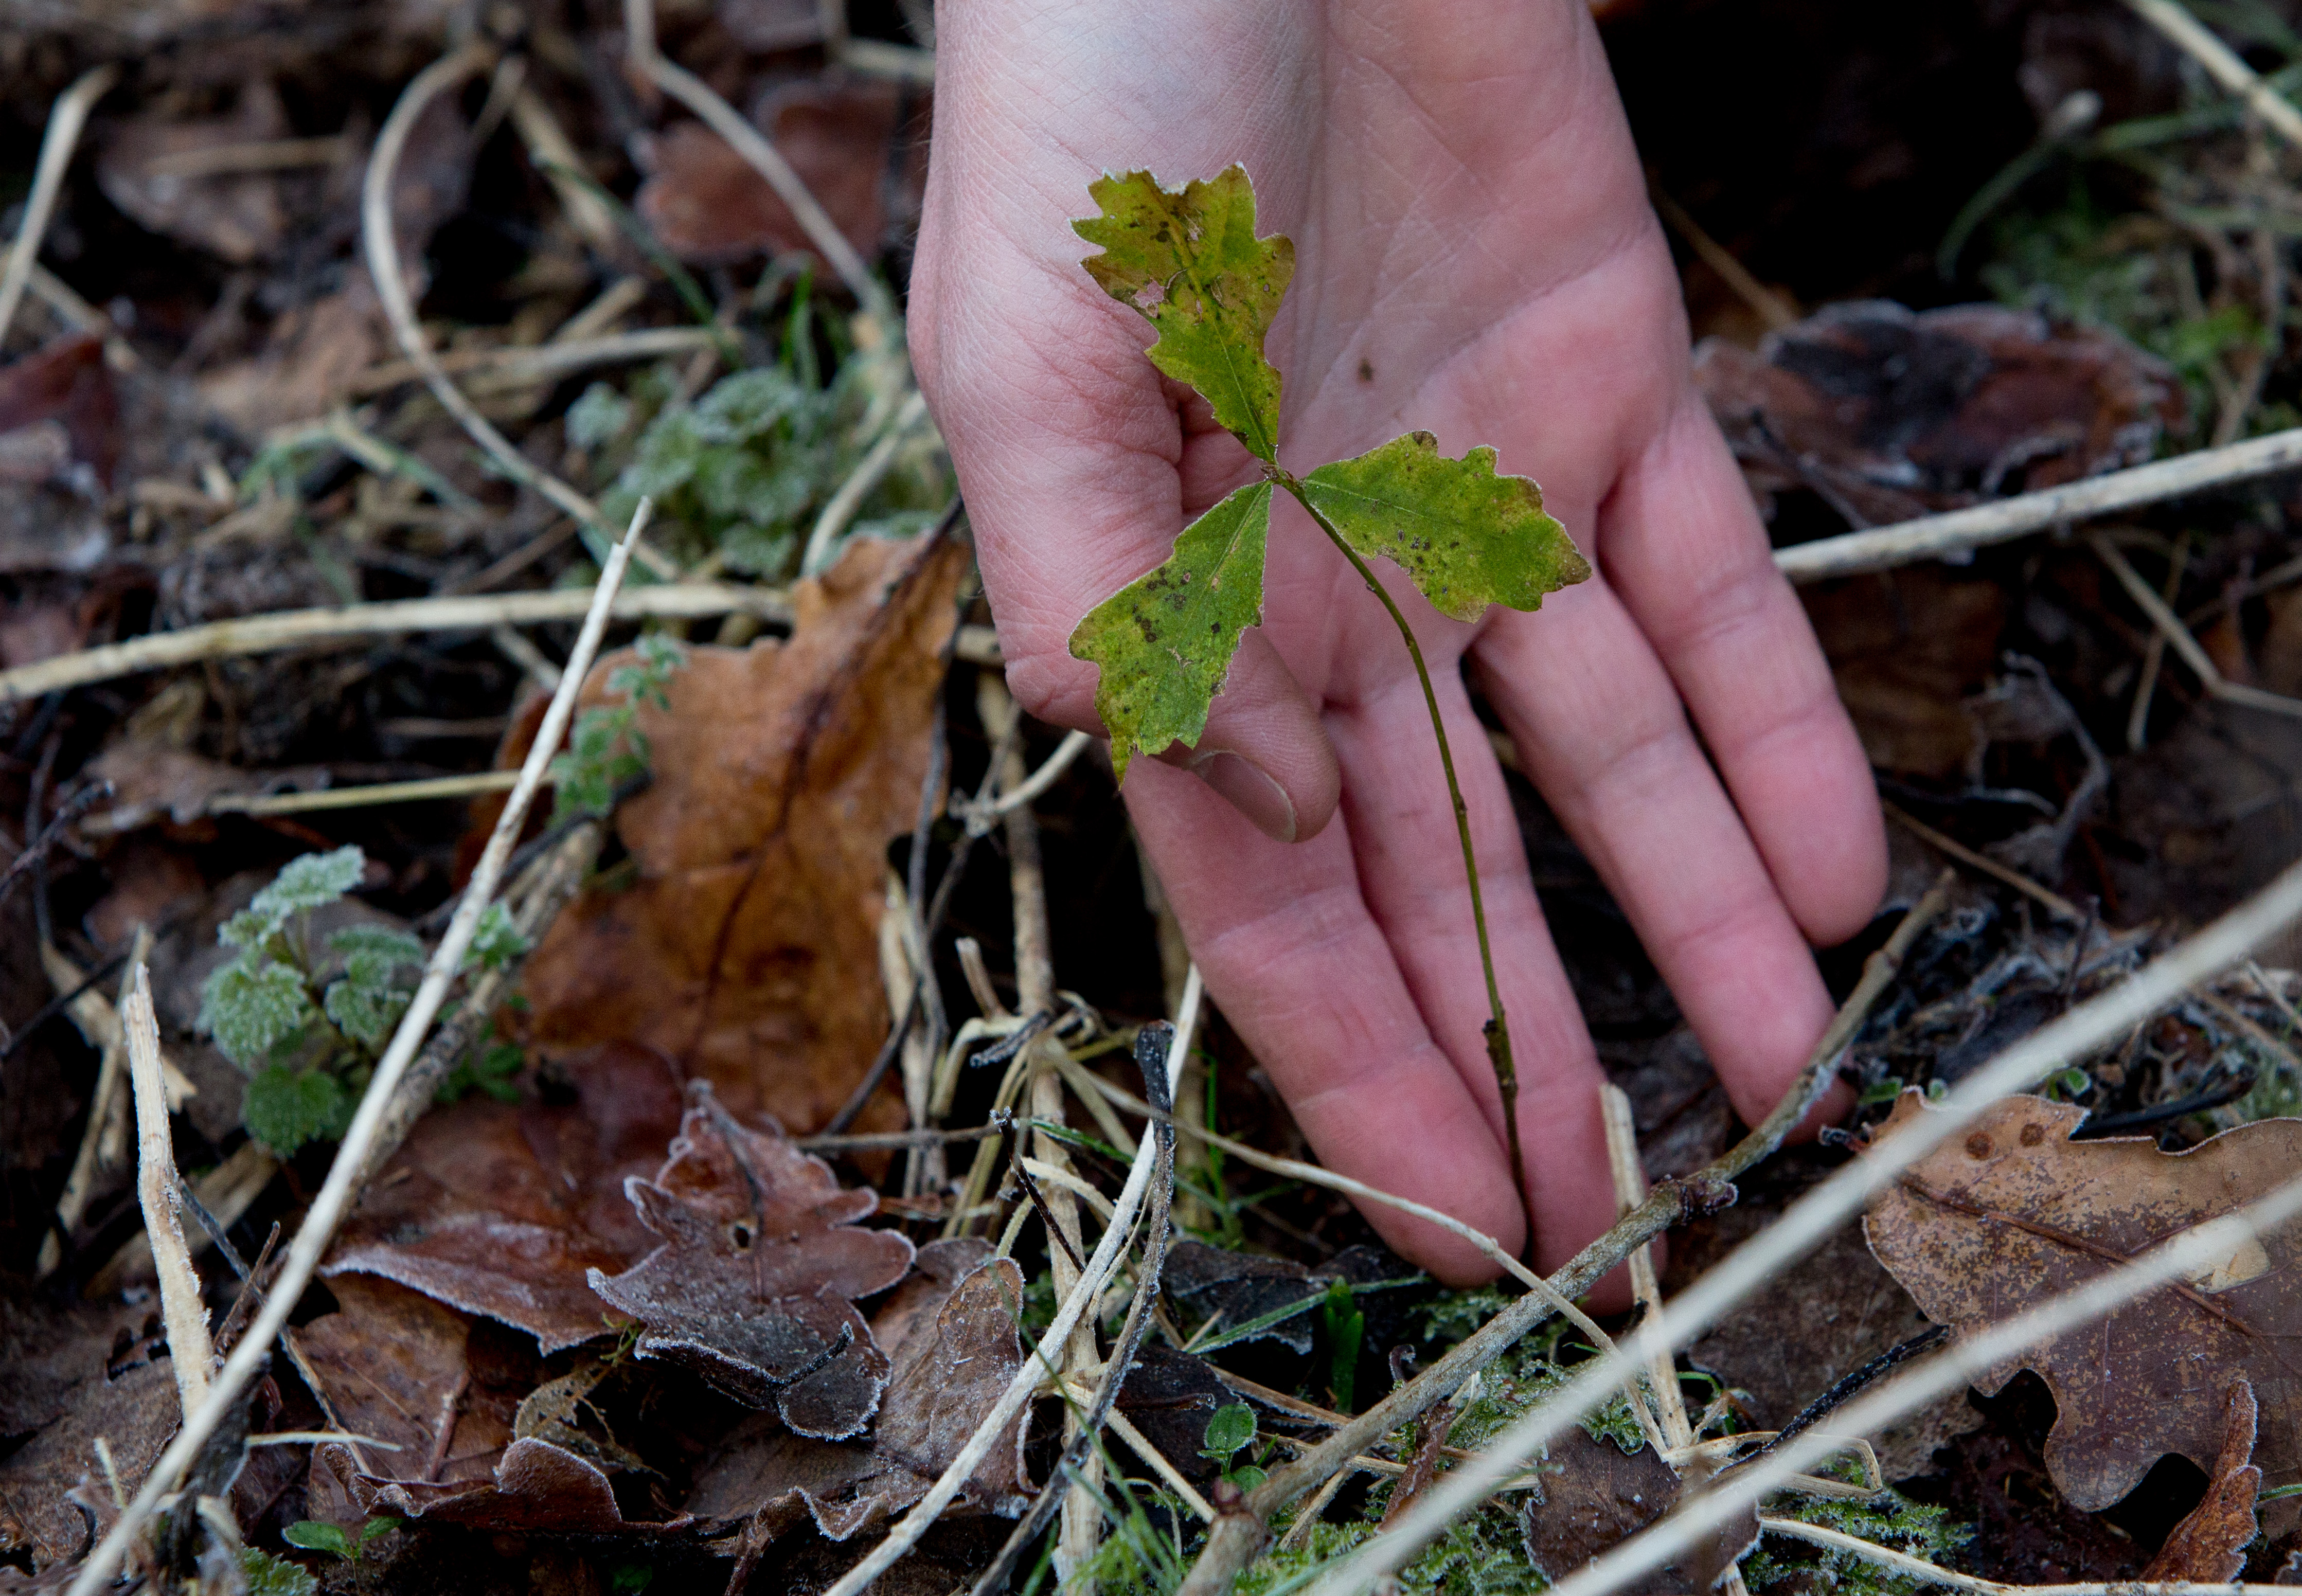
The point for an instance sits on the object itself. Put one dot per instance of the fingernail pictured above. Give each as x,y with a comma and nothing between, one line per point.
1249,790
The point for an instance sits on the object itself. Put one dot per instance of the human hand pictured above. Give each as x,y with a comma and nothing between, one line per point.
1475,256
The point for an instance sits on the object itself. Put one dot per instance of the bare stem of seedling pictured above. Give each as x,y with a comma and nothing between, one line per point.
1498,1027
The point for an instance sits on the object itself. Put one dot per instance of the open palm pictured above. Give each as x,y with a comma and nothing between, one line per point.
1475,256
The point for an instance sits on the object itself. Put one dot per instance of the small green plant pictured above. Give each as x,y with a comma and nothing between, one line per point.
1231,1431
269,1575
308,1030
1889,1519
606,747
1345,1328
739,476
1190,261
313,1535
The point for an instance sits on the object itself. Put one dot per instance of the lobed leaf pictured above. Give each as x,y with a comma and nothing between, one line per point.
364,1006
496,941
1164,642
1468,536
1189,260
310,882
251,1007
285,1108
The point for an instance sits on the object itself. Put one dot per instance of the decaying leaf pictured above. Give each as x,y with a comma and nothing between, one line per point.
1888,414
1904,653
1594,1496
711,206
1189,260
395,1365
2210,1543
152,167
780,773
2013,1212
948,1371
1164,642
753,1287
1468,536
535,1487
501,1208
70,1395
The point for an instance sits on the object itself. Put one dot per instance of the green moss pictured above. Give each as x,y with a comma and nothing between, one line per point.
1889,1519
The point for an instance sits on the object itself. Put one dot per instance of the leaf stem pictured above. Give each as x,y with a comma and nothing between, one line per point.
1498,1027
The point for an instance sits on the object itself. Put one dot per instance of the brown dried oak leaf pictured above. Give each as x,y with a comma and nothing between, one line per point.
747,949
501,1208
955,1358
2012,1211
1886,413
67,1379
753,1287
2210,1543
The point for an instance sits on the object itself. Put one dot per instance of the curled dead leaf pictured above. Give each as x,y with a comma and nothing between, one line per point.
747,949
948,1371
1996,1221
754,1285
2210,1543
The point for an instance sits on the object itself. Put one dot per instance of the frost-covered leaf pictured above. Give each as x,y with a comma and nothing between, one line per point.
365,945
1468,536
365,1011
311,882
740,407
2013,1212
252,1006
496,942
1164,642
285,1108
1189,260
598,417
249,928
267,1576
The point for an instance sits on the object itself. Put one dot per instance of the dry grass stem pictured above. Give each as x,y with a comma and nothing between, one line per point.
1141,1446
1768,305
529,362
2178,638
2154,654
1100,1269
227,1192
104,1144
382,251
2100,1020
66,120
867,473
306,628
647,62
1903,1562
554,155
2223,65
2054,903
974,815
345,1174
190,1353
1956,533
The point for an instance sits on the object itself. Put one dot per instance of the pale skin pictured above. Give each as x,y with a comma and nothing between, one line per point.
1475,256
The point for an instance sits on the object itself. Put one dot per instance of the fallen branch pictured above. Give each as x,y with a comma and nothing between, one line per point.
2092,1024
336,1195
1238,1536
304,628
1960,531
190,1353
66,120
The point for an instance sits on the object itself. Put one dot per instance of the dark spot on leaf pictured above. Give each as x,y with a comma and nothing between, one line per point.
1977,1145
2032,1135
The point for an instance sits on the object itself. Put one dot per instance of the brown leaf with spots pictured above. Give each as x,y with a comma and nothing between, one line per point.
753,1287
2210,1544
2012,1211
747,948
961,1349
501,1209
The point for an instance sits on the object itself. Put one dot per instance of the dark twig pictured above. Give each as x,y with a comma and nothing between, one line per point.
2143,1119
1039,1202
1151,1046
36,850
1893,1358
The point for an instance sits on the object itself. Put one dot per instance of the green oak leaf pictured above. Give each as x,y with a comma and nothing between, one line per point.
1189,260
1164,642
1468,536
